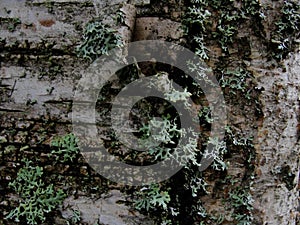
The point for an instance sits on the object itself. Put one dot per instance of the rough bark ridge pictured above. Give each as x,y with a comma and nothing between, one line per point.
278,145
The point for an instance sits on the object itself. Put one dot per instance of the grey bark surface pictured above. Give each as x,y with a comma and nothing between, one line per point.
39,73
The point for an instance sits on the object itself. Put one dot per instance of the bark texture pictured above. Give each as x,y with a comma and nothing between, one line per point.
40,70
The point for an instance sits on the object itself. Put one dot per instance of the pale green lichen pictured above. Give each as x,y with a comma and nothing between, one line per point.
98,39
36,198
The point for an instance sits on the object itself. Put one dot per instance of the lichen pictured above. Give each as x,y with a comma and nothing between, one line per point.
284,38
98,39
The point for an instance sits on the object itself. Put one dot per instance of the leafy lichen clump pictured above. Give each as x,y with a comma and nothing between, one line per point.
287,30
67,148
99,39
37,198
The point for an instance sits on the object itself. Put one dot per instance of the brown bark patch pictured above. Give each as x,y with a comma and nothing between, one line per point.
47,22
